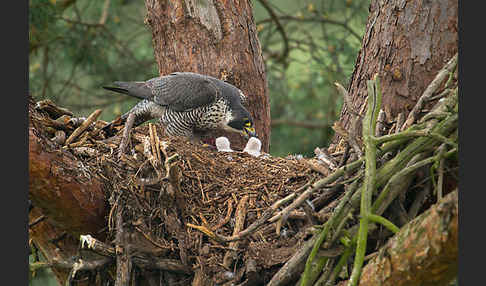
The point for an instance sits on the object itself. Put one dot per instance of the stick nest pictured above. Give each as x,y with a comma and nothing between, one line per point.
171,191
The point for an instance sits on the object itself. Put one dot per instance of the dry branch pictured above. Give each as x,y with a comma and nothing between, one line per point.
91,118
241,210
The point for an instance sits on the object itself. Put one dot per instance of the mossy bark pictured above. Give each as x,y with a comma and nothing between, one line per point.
424,252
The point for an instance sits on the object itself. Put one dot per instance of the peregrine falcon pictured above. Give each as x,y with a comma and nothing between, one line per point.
188,104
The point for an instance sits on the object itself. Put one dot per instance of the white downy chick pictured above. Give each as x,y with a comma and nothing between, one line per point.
223,144
253,147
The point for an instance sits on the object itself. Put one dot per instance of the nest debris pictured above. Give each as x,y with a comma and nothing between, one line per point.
165,185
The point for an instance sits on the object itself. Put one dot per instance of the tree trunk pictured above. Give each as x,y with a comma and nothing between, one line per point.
406,43
216,38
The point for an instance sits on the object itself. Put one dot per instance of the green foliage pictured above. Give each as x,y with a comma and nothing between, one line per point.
324,38
73,52
42,22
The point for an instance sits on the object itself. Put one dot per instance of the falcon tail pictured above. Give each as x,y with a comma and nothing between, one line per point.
135,89
117,89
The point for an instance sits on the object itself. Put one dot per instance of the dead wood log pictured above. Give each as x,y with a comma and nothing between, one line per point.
71,198
46,236
424,252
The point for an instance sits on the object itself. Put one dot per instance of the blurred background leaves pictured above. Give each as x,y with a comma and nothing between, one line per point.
76,46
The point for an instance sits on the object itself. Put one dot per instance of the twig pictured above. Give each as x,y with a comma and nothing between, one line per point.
150,239
104,14
317,185
383,221
347,99
53,110
123,259
37,220
88,242
322,264
369,127
91,243
429,91
380,123
400,121
345,155
126,134
386,197
250,229
440,179
154,143
79,265
162,264
283,56
337,269
340,210
227,218
293,266
441,109
356,116
419,200
241,235
415,133
316,19
239,224
91,118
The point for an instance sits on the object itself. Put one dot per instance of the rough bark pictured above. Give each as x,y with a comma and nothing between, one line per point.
406,43
424,252
217,38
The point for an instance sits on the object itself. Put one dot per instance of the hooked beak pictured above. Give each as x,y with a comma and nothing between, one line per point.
250,132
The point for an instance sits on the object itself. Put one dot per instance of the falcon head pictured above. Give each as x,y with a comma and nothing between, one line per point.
243,125
238,119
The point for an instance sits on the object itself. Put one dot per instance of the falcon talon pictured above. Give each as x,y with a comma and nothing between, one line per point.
187,104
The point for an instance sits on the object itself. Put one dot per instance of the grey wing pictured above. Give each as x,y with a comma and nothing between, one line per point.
183,91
